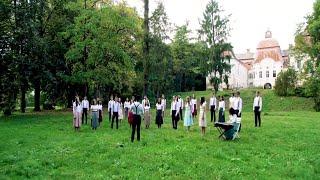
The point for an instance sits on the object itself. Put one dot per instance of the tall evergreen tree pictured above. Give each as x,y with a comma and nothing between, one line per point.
215,31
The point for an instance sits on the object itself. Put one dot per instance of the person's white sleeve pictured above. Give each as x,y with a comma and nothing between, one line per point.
253,104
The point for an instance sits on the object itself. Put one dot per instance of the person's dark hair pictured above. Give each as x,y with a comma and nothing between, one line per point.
238,93
159,101
137,98
232,94
222,98
202,100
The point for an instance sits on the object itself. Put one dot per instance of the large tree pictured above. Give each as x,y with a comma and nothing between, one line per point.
102,40
215,31
160,76
307,45
146,47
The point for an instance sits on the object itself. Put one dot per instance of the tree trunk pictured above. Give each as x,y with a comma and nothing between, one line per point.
23,98
37,94
146,47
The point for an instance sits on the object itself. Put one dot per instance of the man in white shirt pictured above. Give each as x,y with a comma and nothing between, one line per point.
175,108
110,104
137,110
180,100
257,107
213,107
237,106
231,110
115,112
85,107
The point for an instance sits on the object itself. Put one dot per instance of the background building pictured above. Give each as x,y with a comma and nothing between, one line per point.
259,68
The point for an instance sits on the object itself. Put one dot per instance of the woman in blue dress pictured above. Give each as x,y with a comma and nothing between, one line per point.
188,122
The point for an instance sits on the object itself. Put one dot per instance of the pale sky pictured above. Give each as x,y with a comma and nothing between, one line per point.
250,19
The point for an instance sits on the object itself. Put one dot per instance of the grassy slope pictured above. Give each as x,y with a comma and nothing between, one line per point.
271,102
44,145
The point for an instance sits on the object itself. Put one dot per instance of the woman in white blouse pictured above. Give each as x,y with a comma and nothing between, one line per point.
222,108
159,116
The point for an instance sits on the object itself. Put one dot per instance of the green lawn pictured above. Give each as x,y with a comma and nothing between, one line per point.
45,146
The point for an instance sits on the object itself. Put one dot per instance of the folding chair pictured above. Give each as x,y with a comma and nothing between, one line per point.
236,128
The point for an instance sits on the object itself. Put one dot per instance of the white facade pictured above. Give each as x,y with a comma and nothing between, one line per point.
238,77
259,69
265,72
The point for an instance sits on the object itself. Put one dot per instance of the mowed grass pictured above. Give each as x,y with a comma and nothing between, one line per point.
45,146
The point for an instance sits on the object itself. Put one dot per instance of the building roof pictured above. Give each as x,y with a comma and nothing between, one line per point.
268,42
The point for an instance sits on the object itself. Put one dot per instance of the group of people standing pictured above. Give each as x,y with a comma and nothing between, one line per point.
80,110
134,111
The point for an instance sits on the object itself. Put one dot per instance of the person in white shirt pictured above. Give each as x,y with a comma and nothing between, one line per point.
194,106
237,106
159,109
180,100
188,121
222,108
213,107
110,104
94,114
127,106
77,112
231,110
144,101
147,116
115,112
85,106
257,107
137,111
175,108
202,116
164,105
120,110
100,109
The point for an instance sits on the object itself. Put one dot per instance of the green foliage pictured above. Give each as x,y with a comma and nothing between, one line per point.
286,83
102,46
313,88
307,42
214,31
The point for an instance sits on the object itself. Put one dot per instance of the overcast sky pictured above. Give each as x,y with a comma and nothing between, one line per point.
249,21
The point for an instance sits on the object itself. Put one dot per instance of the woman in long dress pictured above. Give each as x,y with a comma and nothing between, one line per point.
120,111
159,116
194,106
77,113
222,108
188,122
202,116
147,114
94,114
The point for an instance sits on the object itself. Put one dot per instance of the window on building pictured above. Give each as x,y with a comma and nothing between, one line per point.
274,73
260,74
267,74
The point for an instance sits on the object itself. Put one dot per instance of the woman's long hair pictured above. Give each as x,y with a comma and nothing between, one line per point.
202,100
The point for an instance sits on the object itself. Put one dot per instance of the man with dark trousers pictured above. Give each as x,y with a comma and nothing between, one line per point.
213,107
111,101
115,112
257,107
85,107
137,111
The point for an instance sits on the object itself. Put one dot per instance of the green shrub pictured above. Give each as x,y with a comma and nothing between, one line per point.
286,83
